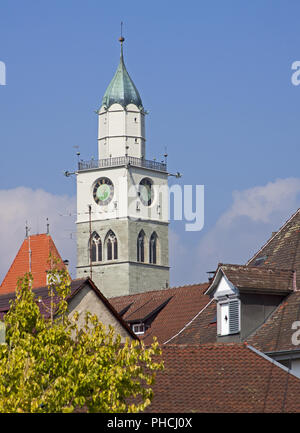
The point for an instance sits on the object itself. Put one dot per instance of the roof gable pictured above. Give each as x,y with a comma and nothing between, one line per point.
221,286
77,286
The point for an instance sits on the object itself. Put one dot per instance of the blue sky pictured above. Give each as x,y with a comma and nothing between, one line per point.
215,77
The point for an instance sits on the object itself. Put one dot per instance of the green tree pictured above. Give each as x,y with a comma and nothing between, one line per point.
50,365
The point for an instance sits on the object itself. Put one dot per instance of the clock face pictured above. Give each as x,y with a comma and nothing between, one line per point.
103,191
146,192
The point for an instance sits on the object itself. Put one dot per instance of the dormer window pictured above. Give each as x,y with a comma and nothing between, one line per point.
228,316
138,328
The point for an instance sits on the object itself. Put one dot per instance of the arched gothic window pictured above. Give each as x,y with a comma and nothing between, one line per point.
140,247
153,248
111,246
95,248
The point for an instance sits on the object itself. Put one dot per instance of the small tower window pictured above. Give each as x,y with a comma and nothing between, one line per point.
153,248
111,246
95,248
141,247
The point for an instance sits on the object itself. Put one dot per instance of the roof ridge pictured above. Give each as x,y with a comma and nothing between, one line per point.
203,345
189,285
271,268
160,290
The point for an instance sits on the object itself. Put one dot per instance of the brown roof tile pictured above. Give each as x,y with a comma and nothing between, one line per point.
201,330
282,250
258,279
180,305
222,378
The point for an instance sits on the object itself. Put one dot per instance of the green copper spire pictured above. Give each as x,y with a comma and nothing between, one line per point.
121,89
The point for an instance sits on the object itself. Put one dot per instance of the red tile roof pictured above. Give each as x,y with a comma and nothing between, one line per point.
41,246
201,330
222,378
180,305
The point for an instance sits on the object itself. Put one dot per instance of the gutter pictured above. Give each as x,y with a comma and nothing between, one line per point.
284,354
263,355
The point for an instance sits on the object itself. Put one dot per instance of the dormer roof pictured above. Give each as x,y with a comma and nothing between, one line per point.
255,279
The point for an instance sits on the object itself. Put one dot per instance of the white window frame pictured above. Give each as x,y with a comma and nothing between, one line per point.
138,328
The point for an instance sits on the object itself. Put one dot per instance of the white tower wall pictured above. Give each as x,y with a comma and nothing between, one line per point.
121,131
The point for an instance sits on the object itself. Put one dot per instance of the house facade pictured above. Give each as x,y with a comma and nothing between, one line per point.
84,297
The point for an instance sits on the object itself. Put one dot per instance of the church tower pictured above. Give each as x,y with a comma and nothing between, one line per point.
122,199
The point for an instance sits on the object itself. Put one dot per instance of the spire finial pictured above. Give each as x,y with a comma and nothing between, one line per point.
121,38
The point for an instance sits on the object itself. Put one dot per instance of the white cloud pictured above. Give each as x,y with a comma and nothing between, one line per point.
240,231
262,202
24,204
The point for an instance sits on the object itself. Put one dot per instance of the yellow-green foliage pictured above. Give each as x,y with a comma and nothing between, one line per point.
50,365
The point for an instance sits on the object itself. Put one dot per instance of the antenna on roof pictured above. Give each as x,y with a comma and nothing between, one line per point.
27,230
165,155
47,226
